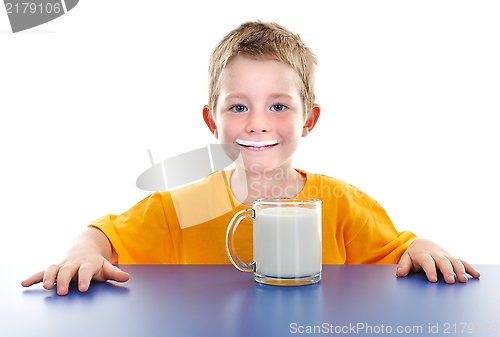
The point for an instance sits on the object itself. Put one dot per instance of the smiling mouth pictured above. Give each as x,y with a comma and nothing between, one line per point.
257,146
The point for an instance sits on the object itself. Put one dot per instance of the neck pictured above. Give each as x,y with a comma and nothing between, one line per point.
247,186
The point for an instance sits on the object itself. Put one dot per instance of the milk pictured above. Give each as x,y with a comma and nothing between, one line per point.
287,242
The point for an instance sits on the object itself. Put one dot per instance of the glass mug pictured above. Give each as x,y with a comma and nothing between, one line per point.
286,241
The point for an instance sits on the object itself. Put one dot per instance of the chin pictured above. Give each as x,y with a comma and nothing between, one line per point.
260,168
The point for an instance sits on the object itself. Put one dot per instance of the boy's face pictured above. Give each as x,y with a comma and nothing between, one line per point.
260,111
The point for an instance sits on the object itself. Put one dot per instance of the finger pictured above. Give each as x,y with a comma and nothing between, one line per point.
101,273
64,277
404,265
471,270
428,264
85,274
114,273
50,276
459,269
33,279
447,269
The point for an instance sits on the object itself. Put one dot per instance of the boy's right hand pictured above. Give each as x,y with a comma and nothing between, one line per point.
87,259
82,269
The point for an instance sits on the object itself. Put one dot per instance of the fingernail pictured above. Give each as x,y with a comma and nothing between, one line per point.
46,283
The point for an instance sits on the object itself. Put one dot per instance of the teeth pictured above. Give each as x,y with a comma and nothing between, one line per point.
256,144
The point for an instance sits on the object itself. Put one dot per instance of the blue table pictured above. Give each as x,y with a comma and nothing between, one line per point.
218,300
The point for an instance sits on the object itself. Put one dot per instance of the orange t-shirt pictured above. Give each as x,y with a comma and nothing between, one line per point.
188,225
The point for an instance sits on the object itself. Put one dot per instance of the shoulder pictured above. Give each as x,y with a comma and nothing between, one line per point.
331,185
213,183
319,178
201,201
331,189
218,178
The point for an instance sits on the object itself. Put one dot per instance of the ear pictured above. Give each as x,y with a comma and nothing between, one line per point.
311,121
210,121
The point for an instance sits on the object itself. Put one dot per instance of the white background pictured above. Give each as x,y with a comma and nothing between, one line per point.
409,93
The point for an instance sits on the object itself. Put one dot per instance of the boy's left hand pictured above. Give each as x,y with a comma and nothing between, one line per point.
423,254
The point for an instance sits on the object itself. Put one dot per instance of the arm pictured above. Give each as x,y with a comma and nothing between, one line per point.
87,259
425,255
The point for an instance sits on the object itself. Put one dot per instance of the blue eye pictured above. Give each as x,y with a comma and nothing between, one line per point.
239,108
278,107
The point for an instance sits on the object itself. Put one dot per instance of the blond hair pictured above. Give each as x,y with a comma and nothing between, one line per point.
262,41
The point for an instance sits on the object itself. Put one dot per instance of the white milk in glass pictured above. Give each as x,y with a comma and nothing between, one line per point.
287,242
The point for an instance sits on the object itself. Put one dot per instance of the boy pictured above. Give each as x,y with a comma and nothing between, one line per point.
261,101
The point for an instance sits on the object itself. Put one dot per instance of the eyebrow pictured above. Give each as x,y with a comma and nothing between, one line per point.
242,95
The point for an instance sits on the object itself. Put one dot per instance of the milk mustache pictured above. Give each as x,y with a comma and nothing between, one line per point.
287,242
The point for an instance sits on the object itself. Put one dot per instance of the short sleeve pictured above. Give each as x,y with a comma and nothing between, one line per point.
377,240
143,233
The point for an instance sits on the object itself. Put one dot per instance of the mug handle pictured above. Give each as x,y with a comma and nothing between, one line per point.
230,250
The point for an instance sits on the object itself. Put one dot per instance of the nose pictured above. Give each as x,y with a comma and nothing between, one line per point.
258,122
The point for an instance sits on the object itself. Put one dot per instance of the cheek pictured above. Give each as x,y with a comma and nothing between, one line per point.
225,134
292,129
